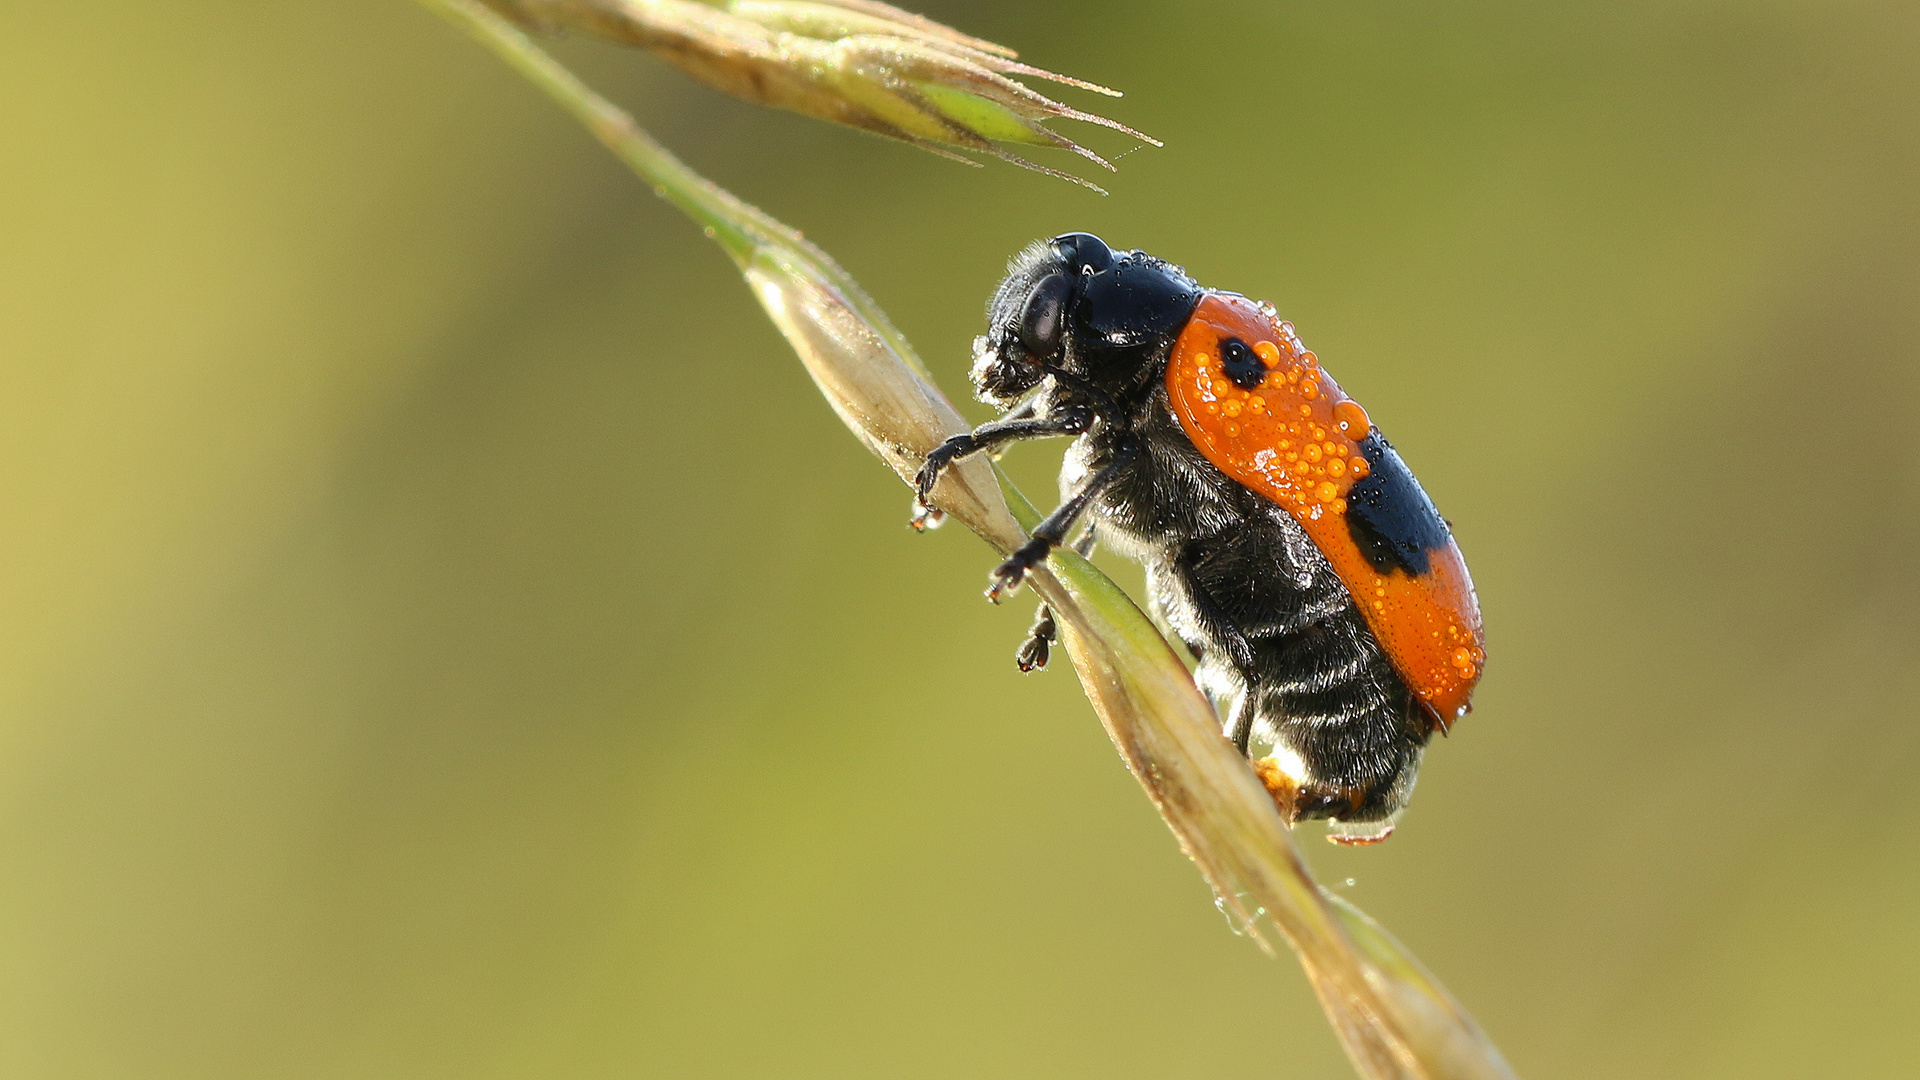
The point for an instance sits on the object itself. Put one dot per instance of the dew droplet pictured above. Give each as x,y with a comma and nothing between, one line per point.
1231,408
1233,431
1352,420
1327,491
1268,352
1309,359
1359,467
1336,468
1311,452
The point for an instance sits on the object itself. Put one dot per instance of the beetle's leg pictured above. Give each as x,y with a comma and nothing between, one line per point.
1049,533
1068,420
1240,721
1035,651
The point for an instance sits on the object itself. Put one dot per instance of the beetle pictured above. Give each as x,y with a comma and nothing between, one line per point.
1286,543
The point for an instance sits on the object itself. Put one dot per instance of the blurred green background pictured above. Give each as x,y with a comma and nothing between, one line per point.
446,636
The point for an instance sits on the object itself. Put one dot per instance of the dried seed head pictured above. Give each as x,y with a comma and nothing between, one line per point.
856,62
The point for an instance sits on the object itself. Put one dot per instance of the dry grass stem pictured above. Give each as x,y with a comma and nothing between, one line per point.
1395,1020
855,62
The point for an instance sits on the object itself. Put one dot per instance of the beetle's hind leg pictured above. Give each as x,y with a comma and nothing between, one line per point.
1035,651
1037,648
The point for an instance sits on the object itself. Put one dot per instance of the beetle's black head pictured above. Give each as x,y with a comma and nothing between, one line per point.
1076,304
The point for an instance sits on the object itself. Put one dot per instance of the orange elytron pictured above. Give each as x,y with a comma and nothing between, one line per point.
1298,439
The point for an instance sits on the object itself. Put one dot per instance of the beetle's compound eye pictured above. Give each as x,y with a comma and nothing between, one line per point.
1045,312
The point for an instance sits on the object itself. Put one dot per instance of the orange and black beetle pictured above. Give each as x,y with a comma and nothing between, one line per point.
1285,541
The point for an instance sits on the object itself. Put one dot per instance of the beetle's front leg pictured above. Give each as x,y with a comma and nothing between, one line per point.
1065,420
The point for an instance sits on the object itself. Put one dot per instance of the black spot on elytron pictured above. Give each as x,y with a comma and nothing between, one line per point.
1391,519
1241,364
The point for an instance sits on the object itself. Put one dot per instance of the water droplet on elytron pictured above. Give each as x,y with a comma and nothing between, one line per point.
1352,420
1309,359
1359,467
1327,491
1268,352
1336,468
1311,452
